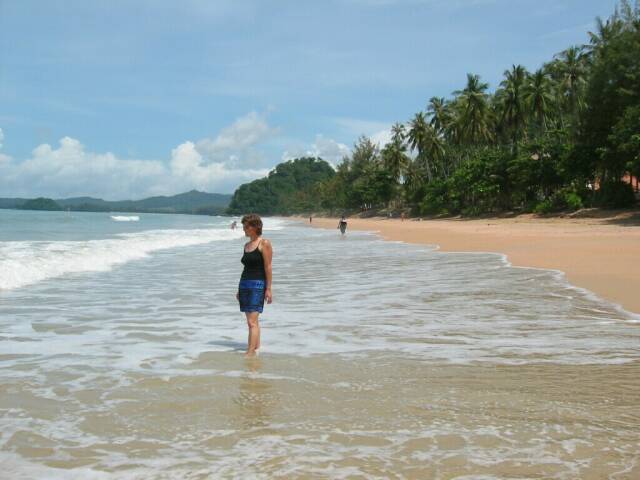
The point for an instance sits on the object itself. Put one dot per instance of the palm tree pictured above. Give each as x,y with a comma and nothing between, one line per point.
474,119
511,99
435,151
604,31
571,67
418,136
628,13
454,132
440,117
538,97
398,133
413,178
394,157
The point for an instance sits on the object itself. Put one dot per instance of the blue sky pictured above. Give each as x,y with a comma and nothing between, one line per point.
124,99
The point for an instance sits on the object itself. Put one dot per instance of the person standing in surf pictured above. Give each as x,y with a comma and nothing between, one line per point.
342,225
255,281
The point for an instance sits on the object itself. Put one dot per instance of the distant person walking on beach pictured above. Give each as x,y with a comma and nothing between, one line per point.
234,224
255,282
342,225
310,218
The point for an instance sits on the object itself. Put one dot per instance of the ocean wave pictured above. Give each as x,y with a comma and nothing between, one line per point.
27,262
125,218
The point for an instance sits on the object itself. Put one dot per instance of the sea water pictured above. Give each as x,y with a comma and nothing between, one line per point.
121,347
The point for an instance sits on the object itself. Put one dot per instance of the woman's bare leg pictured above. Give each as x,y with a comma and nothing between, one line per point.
253,343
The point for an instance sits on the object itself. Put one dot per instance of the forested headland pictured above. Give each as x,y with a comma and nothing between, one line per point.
563,137
291,187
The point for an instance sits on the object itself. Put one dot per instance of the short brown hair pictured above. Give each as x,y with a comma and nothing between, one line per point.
253,220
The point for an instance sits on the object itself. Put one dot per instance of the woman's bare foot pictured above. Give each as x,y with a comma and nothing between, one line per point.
252,354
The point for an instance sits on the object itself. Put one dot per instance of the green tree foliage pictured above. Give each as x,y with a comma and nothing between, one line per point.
394,155
511,99
613,95
369,177
571,71
291,187
423,138
625,139
539,100
474,114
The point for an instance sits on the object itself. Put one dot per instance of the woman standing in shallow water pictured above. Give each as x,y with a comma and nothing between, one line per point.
255,282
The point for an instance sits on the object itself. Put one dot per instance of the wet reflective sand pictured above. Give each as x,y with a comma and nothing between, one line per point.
377,416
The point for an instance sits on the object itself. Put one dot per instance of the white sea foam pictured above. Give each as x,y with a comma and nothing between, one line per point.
27,262
125,218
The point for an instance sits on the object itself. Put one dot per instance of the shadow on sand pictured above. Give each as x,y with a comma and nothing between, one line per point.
629,219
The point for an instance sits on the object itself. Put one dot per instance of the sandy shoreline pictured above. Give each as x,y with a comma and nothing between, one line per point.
599,254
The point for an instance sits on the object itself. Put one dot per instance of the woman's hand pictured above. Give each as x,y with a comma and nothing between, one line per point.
238,296
268,296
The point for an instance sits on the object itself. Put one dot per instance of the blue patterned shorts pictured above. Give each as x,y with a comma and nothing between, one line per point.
251,295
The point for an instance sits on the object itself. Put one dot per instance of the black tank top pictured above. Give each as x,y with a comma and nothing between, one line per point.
253,265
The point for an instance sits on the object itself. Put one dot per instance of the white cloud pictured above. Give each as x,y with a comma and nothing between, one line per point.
189,168
333,151
381,138
325,148
378,132
356,126
70,170
236,143
4,159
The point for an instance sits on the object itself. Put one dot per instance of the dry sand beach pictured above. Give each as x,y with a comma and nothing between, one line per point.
598,253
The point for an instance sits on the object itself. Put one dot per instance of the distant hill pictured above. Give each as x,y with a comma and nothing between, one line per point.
188,200
193,202
12,202
81,200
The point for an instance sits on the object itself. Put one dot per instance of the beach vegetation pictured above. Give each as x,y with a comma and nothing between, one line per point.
562,137
545,206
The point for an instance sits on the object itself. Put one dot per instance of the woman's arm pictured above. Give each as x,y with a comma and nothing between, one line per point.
267,255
